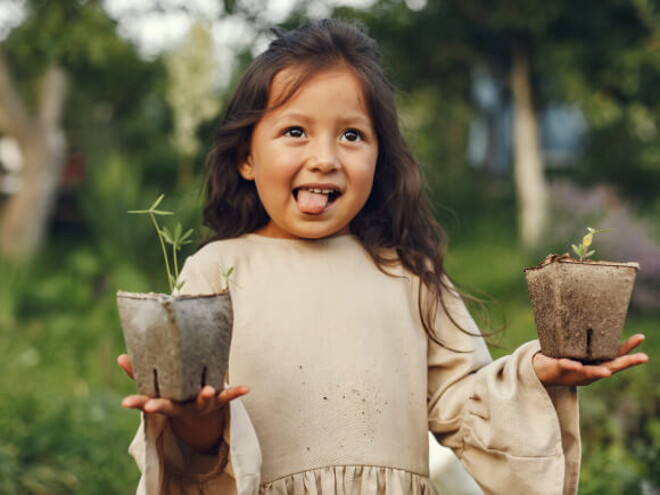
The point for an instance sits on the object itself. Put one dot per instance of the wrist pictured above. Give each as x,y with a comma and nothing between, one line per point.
201,433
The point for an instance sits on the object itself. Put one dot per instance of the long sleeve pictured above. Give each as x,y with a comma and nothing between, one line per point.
510,432
169,466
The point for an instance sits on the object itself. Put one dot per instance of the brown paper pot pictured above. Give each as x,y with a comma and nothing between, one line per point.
580,306
176,344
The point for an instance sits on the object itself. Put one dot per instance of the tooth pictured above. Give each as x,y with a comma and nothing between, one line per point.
318,190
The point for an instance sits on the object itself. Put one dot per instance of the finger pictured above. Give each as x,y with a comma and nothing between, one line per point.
592,373
125,362
630,344
205,399
163,406
135,401
576,373
581,372
627,361
231,393
569,365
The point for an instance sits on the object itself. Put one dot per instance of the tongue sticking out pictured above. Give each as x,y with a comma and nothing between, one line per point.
311,202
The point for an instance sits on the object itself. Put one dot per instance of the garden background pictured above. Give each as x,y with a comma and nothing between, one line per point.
532,120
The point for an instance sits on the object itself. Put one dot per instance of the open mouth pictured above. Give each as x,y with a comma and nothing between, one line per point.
315,200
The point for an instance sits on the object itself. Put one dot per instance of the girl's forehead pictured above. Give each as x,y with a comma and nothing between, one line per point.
288,83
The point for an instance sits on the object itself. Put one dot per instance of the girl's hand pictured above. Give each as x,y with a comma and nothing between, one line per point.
567,372
200,422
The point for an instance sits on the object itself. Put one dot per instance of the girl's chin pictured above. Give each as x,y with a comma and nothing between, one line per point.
312,231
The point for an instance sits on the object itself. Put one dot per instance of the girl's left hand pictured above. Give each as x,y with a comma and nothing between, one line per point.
552,371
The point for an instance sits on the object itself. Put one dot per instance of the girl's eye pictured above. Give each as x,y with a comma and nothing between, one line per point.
294,132
351,135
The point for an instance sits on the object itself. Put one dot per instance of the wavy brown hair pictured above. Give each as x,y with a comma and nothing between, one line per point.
396,215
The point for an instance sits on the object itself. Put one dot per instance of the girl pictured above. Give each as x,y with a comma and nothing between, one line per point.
347,331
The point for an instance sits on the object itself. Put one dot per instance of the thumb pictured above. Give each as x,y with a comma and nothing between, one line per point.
125,363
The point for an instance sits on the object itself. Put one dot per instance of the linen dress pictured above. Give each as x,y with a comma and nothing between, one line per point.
345,385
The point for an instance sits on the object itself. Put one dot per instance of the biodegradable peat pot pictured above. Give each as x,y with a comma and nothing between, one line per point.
177,344
580,306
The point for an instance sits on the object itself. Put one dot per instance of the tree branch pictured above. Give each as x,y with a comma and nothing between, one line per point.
52,90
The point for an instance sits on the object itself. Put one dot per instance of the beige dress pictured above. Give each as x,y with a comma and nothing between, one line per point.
345,385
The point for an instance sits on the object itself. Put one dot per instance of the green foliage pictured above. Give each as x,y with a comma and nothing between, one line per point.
62,429
112,188
81,38
609,68
606,64
582,249
621,446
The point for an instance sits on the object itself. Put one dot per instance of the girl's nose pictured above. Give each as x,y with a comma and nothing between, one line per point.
324,157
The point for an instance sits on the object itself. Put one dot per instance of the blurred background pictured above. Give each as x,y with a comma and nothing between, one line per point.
532,120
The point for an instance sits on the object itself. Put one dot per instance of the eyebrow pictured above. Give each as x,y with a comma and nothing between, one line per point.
351,118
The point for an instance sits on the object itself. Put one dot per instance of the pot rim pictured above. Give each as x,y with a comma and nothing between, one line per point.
566,258
161,296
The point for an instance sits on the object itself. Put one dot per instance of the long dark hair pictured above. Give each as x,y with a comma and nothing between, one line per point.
396,214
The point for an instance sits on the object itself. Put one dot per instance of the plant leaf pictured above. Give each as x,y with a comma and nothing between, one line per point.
167,235
157,202
580,250
185,238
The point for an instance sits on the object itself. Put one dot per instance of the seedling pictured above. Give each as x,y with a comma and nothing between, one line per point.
582,249
226,274
176,239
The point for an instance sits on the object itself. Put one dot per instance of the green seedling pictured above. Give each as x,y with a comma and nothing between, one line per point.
582,249
176,239
227,275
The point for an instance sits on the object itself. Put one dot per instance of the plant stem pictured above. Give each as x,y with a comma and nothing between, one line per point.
176,263
162,246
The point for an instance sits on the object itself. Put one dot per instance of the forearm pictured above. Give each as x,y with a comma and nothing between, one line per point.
202,433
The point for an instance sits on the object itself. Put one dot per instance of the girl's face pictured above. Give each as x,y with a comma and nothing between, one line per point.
313,159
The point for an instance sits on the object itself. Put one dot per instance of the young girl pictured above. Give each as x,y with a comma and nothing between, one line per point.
347,331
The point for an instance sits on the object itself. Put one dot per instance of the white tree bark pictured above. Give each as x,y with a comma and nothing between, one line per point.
25,215
531,189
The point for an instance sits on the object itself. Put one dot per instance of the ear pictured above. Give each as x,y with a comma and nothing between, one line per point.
246,169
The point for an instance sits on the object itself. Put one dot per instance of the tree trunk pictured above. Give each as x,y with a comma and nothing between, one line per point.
531,191
25,215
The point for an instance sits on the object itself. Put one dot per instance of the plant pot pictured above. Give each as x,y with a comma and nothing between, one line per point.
580,306
177,344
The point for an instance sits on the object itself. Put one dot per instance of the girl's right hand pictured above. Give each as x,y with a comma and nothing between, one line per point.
198,423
